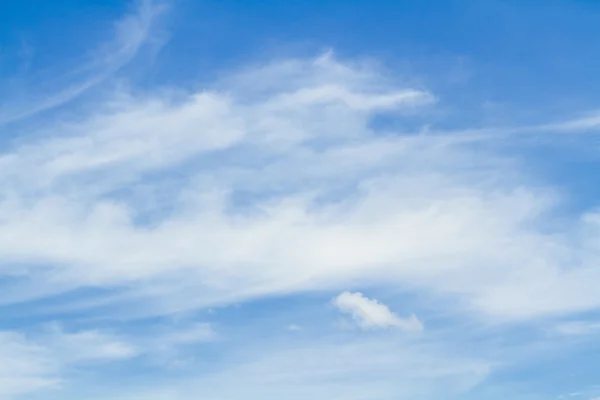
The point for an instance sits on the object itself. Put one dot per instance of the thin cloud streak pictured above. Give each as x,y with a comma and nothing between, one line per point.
130,35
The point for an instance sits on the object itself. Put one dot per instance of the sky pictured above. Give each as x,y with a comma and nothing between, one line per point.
357,200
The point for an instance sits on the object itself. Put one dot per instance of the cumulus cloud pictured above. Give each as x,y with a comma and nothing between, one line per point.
371,314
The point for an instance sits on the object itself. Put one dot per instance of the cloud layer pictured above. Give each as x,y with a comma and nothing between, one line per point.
295,176
274,180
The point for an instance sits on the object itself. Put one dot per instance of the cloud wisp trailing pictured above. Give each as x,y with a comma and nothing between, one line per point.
130,35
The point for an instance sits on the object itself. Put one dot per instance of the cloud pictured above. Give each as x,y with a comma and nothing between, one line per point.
88,159
24,366
130,34
371,314
45,359
277,179
261,183
86,346
30,363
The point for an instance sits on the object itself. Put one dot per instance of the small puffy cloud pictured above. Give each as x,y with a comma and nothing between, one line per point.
371,314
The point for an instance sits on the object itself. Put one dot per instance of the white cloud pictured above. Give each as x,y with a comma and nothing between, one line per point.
24,366
274,180
30,363
371,314
142,198
44,360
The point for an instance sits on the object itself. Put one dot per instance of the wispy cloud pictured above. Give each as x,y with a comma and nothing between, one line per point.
24,366
130,34
146,191
29,364
45,359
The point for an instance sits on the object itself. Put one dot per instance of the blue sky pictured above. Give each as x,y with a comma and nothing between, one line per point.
299,199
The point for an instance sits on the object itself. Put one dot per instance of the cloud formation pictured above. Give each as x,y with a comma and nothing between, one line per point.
371,314
262,184
294,176
47,358
33,363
